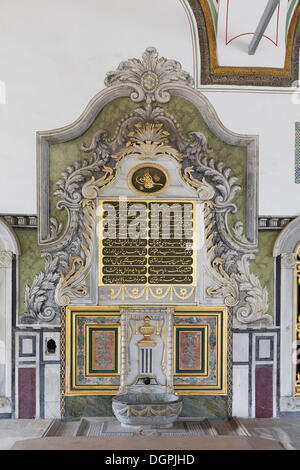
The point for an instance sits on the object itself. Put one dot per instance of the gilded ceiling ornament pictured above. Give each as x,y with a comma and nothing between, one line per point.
150,78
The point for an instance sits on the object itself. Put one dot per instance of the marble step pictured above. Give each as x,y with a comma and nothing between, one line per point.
61,428
94,427
231,427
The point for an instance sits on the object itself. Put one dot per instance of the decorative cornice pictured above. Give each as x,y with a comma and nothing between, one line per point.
273,223
264,222
20,221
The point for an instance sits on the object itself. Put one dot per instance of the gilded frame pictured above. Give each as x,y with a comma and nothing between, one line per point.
148,289
221,387
71,387
88,354
177,352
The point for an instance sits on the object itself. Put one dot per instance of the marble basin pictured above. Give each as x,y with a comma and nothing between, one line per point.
157,409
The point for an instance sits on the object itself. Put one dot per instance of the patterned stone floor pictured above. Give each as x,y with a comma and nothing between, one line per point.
283,431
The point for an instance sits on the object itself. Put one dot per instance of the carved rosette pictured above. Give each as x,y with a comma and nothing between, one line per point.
149,133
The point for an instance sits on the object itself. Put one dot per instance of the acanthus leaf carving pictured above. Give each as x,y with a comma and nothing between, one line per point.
197,152
150,78
39,296
254,305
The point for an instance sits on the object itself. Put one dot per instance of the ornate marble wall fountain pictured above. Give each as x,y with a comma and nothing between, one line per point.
148,138
146,394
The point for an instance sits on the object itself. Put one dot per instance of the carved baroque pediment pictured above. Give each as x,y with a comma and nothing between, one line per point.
148,132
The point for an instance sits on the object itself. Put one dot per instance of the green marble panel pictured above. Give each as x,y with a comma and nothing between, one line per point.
204,407
88,406
30,262
193,406
263,264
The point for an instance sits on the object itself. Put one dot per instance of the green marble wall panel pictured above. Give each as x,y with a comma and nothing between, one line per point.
30,262
204,407
263,264
193,406
77,407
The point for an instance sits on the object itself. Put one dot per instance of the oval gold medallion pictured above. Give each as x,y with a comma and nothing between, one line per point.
148,179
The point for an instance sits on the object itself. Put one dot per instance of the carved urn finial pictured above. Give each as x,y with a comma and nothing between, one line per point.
147,331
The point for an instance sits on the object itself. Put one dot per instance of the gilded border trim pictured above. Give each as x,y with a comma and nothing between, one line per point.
221,388
177,352
108,326
68,371
148,288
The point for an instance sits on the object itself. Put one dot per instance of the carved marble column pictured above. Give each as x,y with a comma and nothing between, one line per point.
6,259
288,328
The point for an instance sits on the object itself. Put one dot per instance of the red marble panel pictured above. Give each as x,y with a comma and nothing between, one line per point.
190,350
264,392
27,391
103,344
